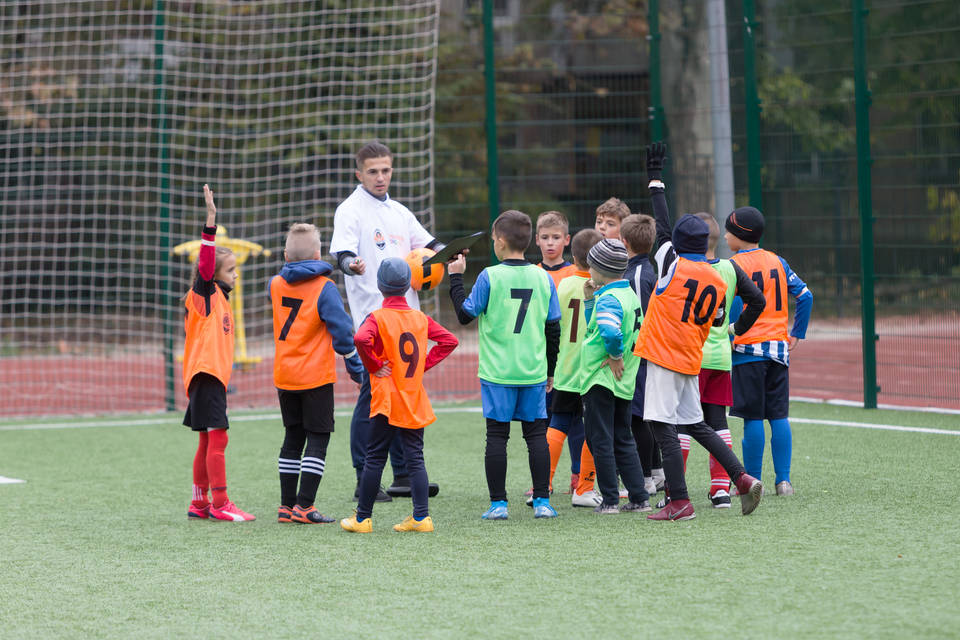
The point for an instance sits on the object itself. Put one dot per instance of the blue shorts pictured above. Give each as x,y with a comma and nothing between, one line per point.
761,390
505,403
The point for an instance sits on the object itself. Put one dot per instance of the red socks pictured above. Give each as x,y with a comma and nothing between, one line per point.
200,482
216,468
718,475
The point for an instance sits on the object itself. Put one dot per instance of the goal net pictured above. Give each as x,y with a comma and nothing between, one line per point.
112,117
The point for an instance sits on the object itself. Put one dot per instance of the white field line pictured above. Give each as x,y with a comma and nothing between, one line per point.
6,480
346,412
160,420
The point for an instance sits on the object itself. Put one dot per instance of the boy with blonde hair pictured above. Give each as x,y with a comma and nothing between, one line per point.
553,234
310,326
610,215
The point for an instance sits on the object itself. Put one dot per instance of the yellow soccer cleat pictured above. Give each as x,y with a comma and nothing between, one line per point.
351,524
409,524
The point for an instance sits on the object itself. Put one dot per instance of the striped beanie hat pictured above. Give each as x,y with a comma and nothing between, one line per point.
609,257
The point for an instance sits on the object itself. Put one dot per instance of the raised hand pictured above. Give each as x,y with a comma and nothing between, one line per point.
211,207
656,152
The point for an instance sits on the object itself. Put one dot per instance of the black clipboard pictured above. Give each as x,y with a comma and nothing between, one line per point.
455,247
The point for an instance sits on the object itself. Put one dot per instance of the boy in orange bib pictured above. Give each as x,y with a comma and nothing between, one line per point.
310,327
392,342
683,307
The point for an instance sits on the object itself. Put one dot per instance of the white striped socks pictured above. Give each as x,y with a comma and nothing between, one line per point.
288,465
313,465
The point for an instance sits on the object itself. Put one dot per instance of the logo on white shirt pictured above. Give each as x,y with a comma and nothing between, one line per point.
378,239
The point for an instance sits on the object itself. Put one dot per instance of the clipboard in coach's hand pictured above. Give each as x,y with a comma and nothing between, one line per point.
455,247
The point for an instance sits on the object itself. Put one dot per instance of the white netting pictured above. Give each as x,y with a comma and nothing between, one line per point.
103,153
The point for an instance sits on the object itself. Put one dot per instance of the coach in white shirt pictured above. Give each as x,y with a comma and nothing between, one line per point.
369,227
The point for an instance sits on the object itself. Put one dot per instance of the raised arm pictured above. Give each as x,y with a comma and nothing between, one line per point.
207,261
656,153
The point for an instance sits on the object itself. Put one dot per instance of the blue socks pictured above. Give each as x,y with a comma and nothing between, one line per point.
781,446
753,441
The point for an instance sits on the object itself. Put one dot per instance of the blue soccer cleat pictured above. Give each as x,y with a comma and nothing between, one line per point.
497,511
542,508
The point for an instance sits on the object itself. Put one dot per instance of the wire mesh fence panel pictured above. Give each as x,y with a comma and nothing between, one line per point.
914,69
114,115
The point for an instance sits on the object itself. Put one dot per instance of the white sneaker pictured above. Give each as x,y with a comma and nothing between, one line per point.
650,485
659,478
590,499
624,493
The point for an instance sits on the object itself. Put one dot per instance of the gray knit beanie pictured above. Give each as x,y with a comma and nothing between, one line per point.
393,277
609,257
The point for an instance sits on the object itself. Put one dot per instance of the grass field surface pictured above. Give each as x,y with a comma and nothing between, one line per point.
96,543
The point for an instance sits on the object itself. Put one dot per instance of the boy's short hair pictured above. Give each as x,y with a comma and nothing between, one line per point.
373,149
638,232
614,208
303,242
581,244
515,228
714,238
550,219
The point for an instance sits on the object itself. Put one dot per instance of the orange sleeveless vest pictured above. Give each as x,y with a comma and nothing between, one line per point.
560,274
401,396
303,348
678,320
766,270
208,347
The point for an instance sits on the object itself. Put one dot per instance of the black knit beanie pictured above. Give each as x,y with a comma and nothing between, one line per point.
745,223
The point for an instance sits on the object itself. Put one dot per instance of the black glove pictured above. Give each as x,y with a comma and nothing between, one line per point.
656,152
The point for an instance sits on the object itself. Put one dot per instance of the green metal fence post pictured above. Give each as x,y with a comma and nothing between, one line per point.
752,107
864,187
489,76
166,299
655,110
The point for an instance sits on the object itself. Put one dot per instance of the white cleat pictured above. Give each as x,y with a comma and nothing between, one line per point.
590,499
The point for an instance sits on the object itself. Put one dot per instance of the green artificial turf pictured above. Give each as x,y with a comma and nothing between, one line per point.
96,543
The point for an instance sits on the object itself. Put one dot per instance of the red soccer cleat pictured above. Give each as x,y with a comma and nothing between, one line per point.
675,510
230,512
751,491
194,511
284,514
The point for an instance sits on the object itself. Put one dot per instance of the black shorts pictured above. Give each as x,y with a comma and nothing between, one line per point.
761,390
207,408
310,409
567,402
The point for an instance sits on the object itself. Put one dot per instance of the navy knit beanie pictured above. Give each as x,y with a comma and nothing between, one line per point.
745,223
393,277
690,235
